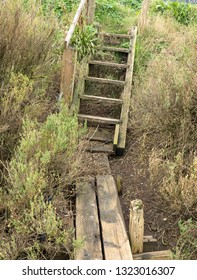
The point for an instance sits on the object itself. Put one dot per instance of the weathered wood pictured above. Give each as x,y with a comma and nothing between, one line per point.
112,49
157,255
100,135
127,96
101,99
136,226
142,21
74,23
68,74
87,222
116,137
101,149
98,119
91,4
104,81
115,240
125,36
110,64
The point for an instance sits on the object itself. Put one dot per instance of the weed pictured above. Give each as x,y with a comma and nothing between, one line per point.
186,248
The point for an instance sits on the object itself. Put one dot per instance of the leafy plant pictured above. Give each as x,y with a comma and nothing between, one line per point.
186,248
85,40
182,12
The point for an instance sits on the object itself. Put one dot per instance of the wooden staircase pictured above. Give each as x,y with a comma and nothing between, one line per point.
105,100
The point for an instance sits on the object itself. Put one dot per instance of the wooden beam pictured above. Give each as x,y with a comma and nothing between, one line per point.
115,240
110,64
87,222
74,23
126,97
157,255
112,49
68,74
98,119
136,226
116,136
125,36
104,81
91,5
101,99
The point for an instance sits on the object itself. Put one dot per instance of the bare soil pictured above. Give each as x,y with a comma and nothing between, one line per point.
160,221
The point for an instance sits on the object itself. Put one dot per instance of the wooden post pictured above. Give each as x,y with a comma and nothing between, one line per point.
68,74
136,226
142,22
91,5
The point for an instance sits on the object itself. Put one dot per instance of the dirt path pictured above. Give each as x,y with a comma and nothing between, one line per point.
160,220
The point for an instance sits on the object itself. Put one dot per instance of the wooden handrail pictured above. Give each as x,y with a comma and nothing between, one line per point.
74,23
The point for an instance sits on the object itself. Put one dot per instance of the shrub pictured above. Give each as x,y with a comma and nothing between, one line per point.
85,40
186,248
184,13
43,160
163,114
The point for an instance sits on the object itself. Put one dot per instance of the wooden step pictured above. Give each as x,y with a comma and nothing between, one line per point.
125,36
112,49
110,64
98,119
157,255
104,81
101,99
98,134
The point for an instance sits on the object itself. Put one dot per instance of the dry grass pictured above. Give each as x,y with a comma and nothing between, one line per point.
164,115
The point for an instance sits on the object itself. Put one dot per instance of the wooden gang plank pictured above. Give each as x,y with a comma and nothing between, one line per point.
87,222
114,236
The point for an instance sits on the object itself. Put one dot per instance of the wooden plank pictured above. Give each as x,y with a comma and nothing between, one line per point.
114,236
157,255
127,96
100,135
115,35
136,226
98,119
101,149
112,49
87,222
116,136
74,23
110,64
68,74
101,99
104,81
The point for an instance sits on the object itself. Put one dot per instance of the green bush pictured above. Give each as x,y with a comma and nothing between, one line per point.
182,12
85,40
43,160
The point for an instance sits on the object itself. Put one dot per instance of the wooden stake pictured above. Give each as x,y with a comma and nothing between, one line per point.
91,4
136,226
68,74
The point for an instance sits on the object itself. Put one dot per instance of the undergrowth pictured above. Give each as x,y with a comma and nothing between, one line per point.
164,116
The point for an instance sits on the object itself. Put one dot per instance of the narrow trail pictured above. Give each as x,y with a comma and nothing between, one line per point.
103,101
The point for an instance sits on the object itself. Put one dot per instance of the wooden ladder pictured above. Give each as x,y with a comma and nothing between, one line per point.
105,101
